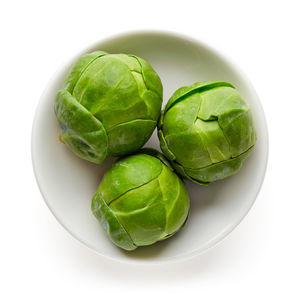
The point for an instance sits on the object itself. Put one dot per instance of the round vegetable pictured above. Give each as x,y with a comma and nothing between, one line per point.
109,105
206,131
140,200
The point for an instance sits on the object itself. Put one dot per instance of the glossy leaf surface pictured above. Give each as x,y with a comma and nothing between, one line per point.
141,195
109,105
206,130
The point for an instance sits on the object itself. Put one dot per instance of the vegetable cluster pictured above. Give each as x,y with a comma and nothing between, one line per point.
110,105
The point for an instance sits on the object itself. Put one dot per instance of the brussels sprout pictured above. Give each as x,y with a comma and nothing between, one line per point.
206,131
109,105
140,200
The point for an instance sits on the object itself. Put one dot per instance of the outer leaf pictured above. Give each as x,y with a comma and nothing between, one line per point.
128,173
239,131
214,140
182,171
84,134
110,92
79,67
128,137
164,147
147,226
142,213
182,116
152,90
189,149
196,87
176,200
220,101
226,105
219,170
137,199
111,224
151,79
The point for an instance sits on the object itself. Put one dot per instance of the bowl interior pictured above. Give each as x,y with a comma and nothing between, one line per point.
68,183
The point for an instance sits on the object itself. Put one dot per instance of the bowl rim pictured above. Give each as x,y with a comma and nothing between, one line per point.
219,238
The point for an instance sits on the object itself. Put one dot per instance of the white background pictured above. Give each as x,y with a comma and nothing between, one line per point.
262,37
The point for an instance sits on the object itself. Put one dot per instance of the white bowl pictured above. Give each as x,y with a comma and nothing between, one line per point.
68,183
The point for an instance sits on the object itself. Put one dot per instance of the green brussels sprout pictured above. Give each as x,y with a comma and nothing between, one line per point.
140,200
109,105
206,131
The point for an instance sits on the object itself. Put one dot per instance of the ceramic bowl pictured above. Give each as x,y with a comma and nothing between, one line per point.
68,183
